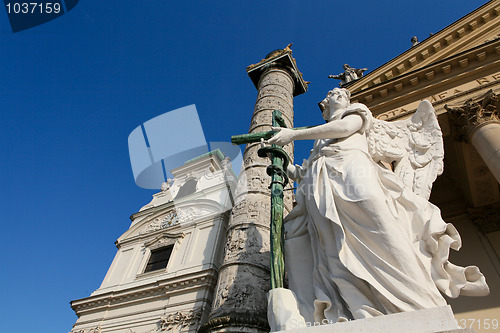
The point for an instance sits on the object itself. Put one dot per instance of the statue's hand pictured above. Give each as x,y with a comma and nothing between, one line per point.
263,145
282,137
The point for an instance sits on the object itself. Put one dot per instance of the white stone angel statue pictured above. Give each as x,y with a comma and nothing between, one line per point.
363,239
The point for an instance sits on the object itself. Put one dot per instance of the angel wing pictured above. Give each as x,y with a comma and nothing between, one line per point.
413,147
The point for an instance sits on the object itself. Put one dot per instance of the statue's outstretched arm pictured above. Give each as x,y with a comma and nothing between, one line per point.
360,71
332,130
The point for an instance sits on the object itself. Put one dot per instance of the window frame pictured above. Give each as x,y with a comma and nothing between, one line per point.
161,260
161,241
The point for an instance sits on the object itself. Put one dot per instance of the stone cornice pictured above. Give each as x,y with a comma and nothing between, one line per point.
99,319
152,210
484,56
206,278
280,59
439,45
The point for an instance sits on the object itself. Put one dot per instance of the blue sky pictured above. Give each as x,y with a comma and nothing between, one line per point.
73,89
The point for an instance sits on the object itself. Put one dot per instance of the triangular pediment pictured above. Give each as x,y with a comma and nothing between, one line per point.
478,27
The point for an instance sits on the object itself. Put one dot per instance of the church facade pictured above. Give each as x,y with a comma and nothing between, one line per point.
166,266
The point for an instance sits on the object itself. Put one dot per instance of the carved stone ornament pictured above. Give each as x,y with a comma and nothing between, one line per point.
163,222
486,220
188,214
180,320
468,117
165,239
174,217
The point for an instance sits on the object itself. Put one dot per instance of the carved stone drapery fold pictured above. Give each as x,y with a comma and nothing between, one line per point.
465,119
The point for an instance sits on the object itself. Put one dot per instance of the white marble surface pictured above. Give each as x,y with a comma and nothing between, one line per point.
433,320
282,310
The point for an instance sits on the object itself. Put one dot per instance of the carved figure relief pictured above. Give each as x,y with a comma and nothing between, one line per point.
163,222
190,213
278,79
247,244
180,321
237,289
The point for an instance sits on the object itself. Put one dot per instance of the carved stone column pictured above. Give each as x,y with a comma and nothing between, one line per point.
478,122
240,303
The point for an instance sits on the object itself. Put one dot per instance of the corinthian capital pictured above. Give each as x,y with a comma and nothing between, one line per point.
474,113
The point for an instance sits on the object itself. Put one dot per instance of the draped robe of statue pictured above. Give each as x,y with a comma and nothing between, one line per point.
359,243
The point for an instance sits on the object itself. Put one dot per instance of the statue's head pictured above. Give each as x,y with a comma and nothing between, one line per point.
346,66
336,99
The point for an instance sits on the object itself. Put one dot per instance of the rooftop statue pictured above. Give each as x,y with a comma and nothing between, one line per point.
363,239
165,186
350,74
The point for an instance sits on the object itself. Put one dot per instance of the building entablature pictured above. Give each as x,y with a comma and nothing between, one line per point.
457,76
145,292
476,28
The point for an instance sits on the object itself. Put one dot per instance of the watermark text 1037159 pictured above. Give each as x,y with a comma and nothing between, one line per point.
33,7
30,13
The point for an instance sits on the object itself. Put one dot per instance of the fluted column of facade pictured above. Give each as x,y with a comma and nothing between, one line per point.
478,122
240,302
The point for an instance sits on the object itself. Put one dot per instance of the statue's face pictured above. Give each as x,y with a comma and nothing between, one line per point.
335,100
